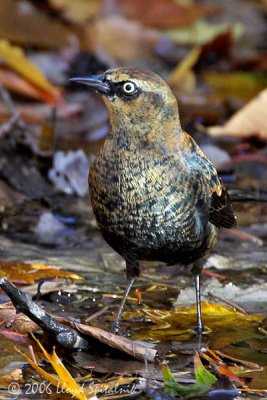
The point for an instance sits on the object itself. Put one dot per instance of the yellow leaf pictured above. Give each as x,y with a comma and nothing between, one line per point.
30,273
64,380
224,323
182,78
15,58
182,69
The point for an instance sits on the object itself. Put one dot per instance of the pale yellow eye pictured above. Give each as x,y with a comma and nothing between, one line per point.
129,88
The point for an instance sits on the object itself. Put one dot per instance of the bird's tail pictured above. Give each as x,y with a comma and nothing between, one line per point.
246,194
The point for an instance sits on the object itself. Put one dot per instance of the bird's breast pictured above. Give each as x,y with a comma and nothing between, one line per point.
144,199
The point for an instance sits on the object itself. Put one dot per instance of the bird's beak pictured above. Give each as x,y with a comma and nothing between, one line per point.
95,82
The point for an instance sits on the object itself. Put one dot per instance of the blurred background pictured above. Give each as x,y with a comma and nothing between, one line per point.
213,55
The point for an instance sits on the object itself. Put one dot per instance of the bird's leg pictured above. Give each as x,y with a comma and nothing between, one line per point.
196,270
132,271
115,326
198,302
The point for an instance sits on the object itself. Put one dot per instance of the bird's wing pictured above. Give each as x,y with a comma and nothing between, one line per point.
221,212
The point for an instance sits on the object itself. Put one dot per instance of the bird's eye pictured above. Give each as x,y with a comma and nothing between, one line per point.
129,88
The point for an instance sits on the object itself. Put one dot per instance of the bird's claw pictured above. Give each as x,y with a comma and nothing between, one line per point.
115,327
199,329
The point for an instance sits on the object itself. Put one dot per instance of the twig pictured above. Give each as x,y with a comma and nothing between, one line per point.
71,334
96,314
63,334
7,100
136,348
238,233
15,116
15,119
6,127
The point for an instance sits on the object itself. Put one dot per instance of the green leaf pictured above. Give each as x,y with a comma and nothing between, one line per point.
203,376
204,381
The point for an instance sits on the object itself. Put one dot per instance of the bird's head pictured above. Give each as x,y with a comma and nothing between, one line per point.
133,96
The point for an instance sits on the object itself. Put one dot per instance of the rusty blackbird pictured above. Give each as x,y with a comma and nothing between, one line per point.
154,193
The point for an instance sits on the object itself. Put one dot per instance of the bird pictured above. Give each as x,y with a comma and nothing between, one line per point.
154,193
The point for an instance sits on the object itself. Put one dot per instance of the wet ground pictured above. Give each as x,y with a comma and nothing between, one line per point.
235,278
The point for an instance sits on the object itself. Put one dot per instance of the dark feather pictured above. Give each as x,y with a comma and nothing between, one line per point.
221,211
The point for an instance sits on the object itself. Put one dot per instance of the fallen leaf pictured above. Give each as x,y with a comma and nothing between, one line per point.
137,349
242,351
63,380
204,380
15,58
249,121
78,11
66,382
17,84
226,324
221,368
259,380
238,84
18,325
25,25
124,40
164,13
219,46
182,78
202,32
29,273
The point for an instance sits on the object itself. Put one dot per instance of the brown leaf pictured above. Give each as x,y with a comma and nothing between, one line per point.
124,40
137,349
164,13
220,45
221,368
259,380
31,27
249,121
18,324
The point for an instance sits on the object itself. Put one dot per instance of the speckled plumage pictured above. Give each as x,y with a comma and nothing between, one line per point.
153,191
155,195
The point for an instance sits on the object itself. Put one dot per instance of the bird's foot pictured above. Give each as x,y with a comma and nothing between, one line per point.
199,329
115,327
202,330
